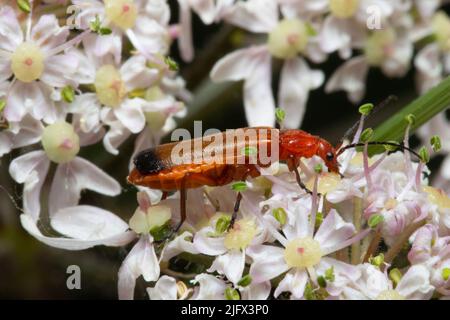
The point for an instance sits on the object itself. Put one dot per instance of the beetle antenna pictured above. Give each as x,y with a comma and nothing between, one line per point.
390,99
379,143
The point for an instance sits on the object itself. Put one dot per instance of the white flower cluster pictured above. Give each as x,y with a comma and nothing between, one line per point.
109,78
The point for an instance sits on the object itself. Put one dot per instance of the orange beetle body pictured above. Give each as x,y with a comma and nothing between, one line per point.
155,169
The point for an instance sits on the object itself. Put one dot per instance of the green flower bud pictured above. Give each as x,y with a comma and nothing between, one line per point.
445,273
68,94
424,155
239,186
377,260
223,223
280,115
395,275
435,142
280,215
245,281
411,119
24,5
366,135
232,294
366,109
375,220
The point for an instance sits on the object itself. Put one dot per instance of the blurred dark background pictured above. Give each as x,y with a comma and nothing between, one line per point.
31,270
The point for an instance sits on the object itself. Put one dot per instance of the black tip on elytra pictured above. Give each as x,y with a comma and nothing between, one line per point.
147,162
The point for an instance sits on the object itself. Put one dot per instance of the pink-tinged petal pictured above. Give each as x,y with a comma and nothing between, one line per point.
182,243
60,70
32,98
90,9
294,282
231,264
254,15
297,79
185,41
156,10
422,245
131,115
415,284
258,98
333,231
429,67
115,136
141,260
10,31
137,75
350,77
5,74
29,224
149,37
4,87
47,33
344,274
6,143
427,8
445,168
334,35
259,291
77,175
210,288
88,108
239,64
90,223
31,170
30,132
268,262
398,64
107,45
205,9
212,246
164,289
85,71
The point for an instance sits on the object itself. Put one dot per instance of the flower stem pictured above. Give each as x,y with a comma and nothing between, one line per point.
424,108
357,214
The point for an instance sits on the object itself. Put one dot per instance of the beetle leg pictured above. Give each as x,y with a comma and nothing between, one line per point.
183,193
292,165
235,210
164,195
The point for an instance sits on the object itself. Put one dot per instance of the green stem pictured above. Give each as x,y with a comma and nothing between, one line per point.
424,108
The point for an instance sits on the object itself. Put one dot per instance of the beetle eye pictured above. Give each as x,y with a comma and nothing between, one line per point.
330,156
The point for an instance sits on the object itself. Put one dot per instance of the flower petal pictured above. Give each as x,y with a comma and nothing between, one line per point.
294,282
239,64
88,223
179,245
415,284
350,77
253,15
10,31
211,246
141,260
268,262
231,264
164,289
210,288
29,224
258,98
31,170
333,231
297,79
75,176
131,115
